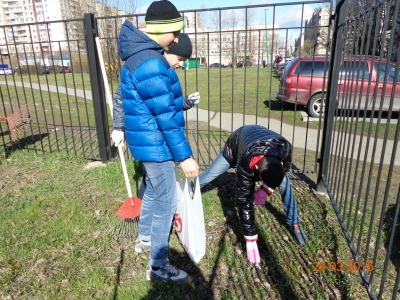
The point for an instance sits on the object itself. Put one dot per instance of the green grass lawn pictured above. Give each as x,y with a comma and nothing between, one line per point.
60,239
239,90
248,91
51,108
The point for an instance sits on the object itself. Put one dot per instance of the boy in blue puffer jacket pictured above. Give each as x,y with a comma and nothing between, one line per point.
151,118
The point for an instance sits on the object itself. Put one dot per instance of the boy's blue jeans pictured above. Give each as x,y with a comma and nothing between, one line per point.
158,207
220,165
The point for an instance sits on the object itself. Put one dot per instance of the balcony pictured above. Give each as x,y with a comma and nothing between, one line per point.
10,3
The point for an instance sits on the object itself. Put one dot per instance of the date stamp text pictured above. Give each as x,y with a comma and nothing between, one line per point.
339,266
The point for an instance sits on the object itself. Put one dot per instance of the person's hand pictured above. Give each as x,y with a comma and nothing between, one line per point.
194,98
260,196
253,255
118,137
190,168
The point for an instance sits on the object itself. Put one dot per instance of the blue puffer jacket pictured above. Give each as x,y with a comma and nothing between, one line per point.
152,100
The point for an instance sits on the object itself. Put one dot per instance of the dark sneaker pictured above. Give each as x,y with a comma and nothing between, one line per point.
166,273
298,234
142,246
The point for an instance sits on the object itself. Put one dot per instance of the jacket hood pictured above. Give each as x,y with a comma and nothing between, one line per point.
131,41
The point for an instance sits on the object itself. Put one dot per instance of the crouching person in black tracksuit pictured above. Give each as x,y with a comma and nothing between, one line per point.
259,154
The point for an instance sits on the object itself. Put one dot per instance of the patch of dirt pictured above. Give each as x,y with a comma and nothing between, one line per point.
14,177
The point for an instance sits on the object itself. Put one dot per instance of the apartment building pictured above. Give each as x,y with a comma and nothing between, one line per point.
30,29
36,31
20,31
316,30
231,45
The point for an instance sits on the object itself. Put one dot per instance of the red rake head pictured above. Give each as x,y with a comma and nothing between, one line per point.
130,209
16,120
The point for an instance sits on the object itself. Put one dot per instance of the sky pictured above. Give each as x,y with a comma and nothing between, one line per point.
286,16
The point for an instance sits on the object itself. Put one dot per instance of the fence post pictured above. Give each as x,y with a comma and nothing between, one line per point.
97,86
330,96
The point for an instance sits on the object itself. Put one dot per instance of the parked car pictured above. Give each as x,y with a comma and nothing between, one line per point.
60,69
202,66
45,70
278,59
66,69
303,78
6,71
56,69
242,64
228,65
216,65
280,67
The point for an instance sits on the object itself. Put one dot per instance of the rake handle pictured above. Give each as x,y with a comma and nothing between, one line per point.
109,100
122,158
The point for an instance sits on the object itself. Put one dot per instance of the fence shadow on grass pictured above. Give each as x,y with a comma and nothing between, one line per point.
279,105
389,219
25,142
285,266
260,280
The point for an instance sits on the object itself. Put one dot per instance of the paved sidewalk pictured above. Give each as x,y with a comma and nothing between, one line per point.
300,137
50,88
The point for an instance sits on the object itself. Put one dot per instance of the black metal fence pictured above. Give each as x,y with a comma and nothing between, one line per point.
359,167
352,147
48,87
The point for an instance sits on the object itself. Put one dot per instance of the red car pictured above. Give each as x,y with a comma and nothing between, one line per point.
66,69
303,79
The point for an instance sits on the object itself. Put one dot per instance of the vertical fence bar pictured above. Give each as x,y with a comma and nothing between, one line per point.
98,96
329,108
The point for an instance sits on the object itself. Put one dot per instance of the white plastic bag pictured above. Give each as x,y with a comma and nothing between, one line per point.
189,220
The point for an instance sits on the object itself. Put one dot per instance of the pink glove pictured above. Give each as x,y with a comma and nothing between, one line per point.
252,250
261,195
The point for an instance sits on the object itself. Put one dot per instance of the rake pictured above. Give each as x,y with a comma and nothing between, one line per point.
130,208
16,120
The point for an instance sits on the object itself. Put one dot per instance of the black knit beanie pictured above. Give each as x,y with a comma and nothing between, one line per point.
183,48
163,17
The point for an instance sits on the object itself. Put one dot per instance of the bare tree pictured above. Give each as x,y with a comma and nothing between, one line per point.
367,34
238,39
108,29
214,19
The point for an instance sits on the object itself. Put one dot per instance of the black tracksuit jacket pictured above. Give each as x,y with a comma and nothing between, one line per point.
246,142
